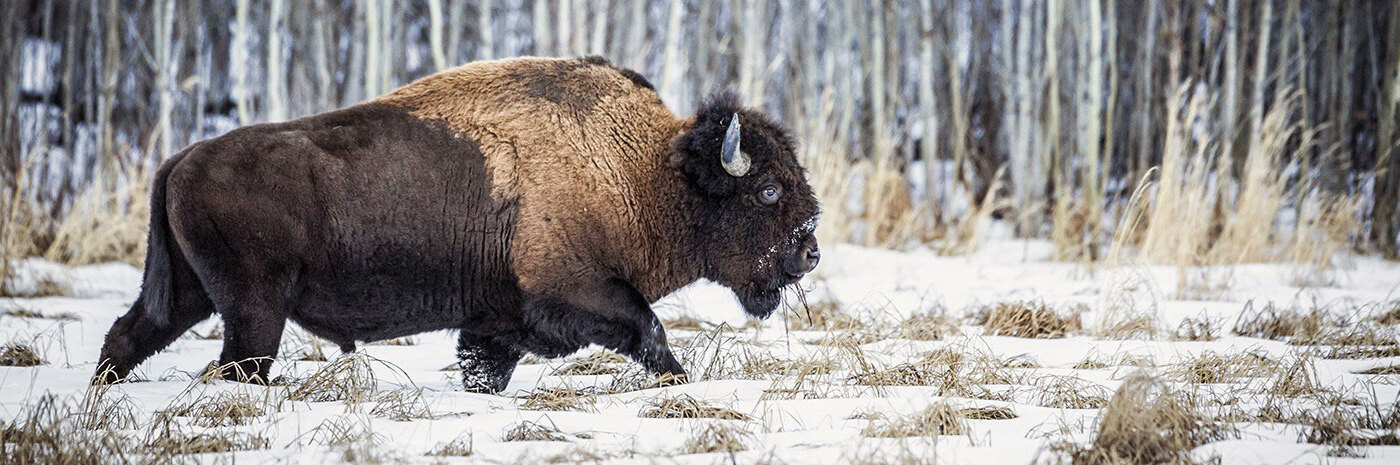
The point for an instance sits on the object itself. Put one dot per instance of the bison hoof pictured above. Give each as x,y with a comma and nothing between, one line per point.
484,384
671,378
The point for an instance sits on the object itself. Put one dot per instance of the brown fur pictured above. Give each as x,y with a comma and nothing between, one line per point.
586,124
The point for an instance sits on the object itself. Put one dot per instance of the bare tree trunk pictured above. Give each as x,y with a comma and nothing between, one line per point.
486,39
276,76
672,67
111,59
240,62
164,22
435,33
1385,219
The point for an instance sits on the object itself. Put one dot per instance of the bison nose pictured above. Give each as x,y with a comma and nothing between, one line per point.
806,260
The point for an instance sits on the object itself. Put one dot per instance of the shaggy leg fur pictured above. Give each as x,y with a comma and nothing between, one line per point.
134,337
252,332
486,365
613,315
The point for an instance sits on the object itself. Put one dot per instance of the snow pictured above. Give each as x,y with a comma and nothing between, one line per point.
877,284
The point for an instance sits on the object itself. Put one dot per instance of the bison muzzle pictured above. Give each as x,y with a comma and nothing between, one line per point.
534,205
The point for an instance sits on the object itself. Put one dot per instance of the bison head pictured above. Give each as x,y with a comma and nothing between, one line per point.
753,212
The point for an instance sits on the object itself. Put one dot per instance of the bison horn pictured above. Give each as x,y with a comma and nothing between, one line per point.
736,162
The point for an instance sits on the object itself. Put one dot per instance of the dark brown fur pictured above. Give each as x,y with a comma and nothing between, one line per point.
537,205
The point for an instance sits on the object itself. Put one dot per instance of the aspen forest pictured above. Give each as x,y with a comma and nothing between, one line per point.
1189,132
1038,232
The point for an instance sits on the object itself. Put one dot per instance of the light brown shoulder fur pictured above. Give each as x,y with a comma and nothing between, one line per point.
579,144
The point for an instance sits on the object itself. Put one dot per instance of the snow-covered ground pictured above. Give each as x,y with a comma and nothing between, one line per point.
800,395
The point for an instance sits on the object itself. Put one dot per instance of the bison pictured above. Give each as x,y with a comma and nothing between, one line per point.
535,205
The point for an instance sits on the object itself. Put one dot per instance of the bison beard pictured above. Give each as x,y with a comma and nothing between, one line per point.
375,222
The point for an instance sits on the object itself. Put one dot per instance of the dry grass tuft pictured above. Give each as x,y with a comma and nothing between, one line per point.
1198,328
986,413
41,285
1028,319
1068,392
1345,428
221,409
935,420
404,404
951,372
1146,422
531,431
716,437
460,447
686,323
1385,370
685,406
344,431
21,312
928,326
1273,322
599,363
825,315
349,378
1215,368
19,354
559,399
1389,317
205,443
1296,379
45,432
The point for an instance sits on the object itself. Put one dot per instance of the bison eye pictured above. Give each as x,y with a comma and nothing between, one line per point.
769,195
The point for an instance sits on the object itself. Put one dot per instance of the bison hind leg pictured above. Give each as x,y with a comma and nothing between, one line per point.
135,336
486,364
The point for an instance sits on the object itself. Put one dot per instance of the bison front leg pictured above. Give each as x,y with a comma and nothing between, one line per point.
486,365
611,314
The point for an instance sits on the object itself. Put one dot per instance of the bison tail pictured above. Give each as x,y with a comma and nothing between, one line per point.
158,282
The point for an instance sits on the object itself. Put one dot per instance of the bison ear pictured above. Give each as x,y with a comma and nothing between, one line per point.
708,152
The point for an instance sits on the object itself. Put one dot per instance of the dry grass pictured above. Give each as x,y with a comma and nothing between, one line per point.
1385,370
1296,379
39,285
825,315
935,420
531,431
1327,224
1028,319
927,326
951,371
224,408
685,323
403,404
1215,368
598,363
986,413
684,406
349,378
172,442
22,312
107,223
969,230
1198,328
559,399
1345,429
1146,423
19,354
45,432
460,447
1276,323
343,431
717,437
1068,392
